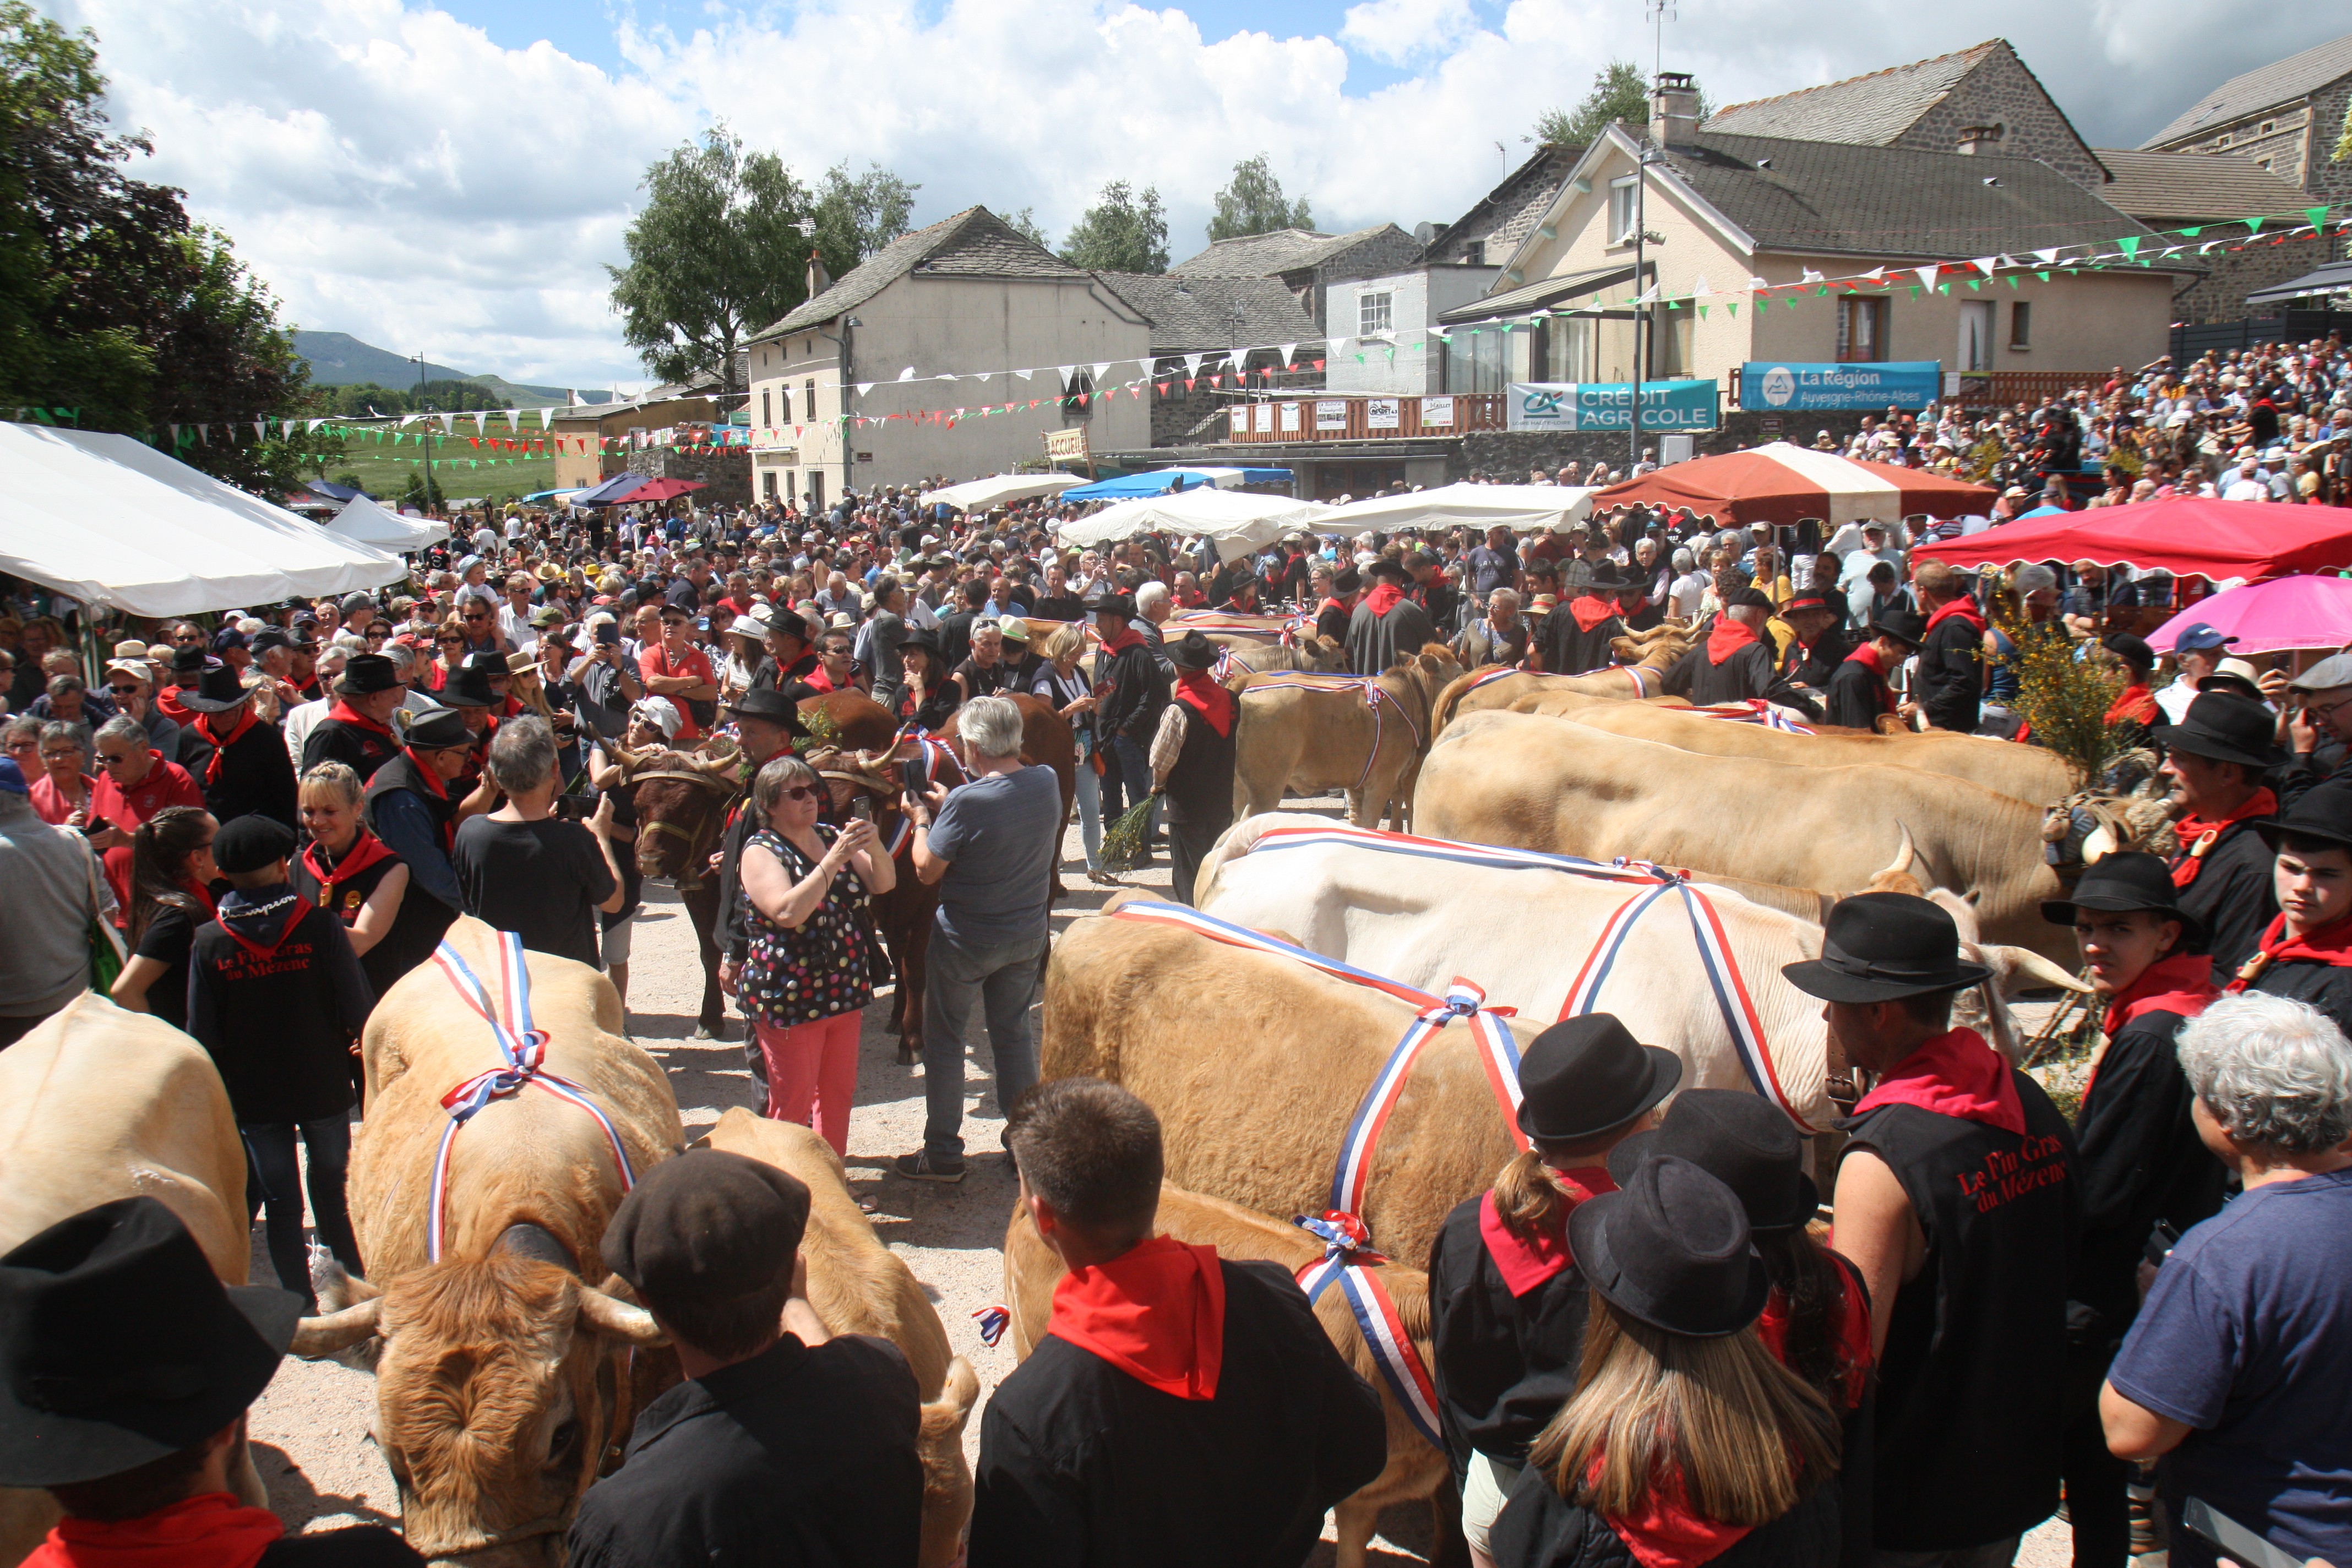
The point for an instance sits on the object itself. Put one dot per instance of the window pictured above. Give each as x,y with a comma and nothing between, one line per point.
808,398
2224,140
1623,199
1372,312
2269,126
767,412
816,490
1474,360
1670,341
1081,386
784,403
2261,162
2021,325
768,484
1862,330
1569,349
1474,253
1976,334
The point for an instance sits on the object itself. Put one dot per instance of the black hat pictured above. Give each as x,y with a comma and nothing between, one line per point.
1881,947
470,686
1193,651
1748,599
1672,1248
788,622
923,637
218,691
1586,1075
1606,577
1120,605
489,661
269,638
2132,650
251,842
118,1345
366,673
1387,571
189,661
228,638
2226,728
2128,879
1907,626
706,1227
1743,1141
439,731
1805,600
2325,813
1347,580
766,702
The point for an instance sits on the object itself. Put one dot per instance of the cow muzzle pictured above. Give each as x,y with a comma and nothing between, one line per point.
538,1544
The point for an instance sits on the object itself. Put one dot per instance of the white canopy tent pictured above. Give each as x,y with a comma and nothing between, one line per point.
110,520
1228,517
978,495
1521,507
363,521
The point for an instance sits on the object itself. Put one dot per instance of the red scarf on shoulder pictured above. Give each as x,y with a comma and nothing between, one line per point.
2182,983
213,1531
1955,1074
1526,1264
1157,1312
1590,610
343,713
1666,1534
2330,944
1199,690
1727,638
1960,609
1383,599
366,851
2135,704
221,743
2198,835
1870,658
1128,637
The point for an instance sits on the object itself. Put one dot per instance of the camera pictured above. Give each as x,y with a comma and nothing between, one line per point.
571,807
912,776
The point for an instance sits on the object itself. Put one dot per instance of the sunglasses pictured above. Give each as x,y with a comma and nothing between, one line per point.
113,759
798,792
124,690
451,641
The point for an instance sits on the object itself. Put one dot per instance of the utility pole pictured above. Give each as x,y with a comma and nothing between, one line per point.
419,359
1659,12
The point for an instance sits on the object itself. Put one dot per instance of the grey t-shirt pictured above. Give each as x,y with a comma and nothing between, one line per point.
997,836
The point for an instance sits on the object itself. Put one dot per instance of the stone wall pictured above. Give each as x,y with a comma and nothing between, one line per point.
2221,294
725,470
2001,91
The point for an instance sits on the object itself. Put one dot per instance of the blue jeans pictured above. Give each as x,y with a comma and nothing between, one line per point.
1002,978
275,1179
1129,775
1090,812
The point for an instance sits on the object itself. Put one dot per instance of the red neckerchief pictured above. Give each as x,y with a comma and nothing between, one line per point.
1640,602
1190,598
1852,1329
1157,1312
2330,944
245,720
2200,835
1526,1264
213,1531
1590,610
1328,604
1955,1074
1199,690
1870,658
1383,599
1960,609
366,851
1727,638
424,771
1666,1534
2137,704
1128,637
202,894
260,949
2181,982
342,712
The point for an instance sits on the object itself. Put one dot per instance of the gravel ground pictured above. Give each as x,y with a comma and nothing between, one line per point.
310,1427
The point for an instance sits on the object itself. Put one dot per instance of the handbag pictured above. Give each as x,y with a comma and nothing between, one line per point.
106,952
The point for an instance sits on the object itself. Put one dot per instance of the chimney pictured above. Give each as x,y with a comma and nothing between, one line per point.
1673,109
819,280
1977,139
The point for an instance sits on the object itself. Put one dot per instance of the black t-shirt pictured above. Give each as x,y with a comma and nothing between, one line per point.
1064,607
360,1546
979,682
541,881
166,940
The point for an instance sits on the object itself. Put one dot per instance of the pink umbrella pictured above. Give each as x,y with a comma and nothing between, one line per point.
2298,611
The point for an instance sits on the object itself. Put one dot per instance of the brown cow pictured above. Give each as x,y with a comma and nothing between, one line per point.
1254,655
503,1374
682,799
857,1286
1315,733
848,719
1647,655
1414,1470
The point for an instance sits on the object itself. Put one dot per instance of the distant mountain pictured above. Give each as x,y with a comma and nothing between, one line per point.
339,359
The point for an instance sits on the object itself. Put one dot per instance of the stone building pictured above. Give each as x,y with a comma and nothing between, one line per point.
2171,191
1305,261
593,441
2288,116
1198,323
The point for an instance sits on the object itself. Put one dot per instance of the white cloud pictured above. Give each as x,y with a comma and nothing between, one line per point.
396,175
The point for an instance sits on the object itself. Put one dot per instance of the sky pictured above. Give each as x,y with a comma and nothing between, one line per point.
454,178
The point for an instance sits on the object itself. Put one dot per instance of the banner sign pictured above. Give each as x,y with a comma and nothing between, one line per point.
1383,413
1436,411
1909,384
1331,415
1607,406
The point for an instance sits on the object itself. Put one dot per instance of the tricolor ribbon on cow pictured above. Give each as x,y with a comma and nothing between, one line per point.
1374,694
932,751
1726,984
993,1318
1488,676
1755,710
524,1051
1347,1248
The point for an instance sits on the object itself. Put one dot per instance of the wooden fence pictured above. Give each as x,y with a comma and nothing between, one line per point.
2003,388
1363,418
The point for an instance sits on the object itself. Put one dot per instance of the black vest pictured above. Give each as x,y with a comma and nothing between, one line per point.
404,773
1973,1374
1201,784
332,739
415,932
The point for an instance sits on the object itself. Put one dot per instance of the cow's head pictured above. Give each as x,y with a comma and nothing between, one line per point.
499,1385
2092,823
681,798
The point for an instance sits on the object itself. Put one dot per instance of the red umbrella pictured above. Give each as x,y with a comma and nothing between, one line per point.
1783,483
662,489
2182,535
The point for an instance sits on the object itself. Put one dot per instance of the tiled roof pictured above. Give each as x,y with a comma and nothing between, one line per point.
974,243
1188,313
1502,218
2195,185
1270,255
2281,81
1871,109
1891,201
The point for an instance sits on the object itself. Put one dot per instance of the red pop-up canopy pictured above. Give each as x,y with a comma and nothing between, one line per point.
1785,484
2182,535
661,490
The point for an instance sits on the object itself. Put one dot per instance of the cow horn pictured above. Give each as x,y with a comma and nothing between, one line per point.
630,760
2025,969
715,765
609,1315
319,1337
1907,857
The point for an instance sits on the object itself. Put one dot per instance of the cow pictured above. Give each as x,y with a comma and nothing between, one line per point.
1416,1470
504,1374
682,799
1255,657
1224,624
857,1286
1531,782
1364,735
2032,774
849,719
98,1104
1647,655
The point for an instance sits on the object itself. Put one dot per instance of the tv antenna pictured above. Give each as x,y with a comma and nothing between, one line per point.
1657,12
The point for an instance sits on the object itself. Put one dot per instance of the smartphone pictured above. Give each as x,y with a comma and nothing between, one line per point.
2234,1539
911,777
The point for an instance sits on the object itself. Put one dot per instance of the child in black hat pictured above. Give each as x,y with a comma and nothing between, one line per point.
1192,756
277,998
1507,1299
2216,760
1860,691
2307,952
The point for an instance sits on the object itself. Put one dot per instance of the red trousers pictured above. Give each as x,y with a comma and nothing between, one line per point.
813,1069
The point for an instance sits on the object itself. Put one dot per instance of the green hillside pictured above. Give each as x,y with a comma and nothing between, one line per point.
339,359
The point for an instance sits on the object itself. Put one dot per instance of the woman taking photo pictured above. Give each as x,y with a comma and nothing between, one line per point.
172,877
349,873
810,969
1072,695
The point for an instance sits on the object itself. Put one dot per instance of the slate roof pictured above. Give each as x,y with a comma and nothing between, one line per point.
2281,81
1504,215
2213,186
1891,201
974,243
1190,313
1271,255
1872,110
1544,291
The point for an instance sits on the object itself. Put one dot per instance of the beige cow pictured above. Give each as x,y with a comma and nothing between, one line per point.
1313,735
1647,655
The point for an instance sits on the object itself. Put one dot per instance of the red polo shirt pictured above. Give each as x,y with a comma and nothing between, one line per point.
166,783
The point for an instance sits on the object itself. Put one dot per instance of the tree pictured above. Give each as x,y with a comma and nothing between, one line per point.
1618,93
1254,204
718,252
1120,233
854,218
1025,223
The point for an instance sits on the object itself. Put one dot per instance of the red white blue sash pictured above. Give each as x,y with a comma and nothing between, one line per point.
1374,694
933,752
524,1050
1490,675
1755,710
1346,1250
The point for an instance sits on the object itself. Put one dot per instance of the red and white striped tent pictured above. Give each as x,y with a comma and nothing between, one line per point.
1781,483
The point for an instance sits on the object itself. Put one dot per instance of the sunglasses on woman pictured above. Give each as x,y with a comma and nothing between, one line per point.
798,792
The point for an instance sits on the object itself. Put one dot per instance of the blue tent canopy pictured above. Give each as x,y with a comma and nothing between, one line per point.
1162,481
331,491
616,488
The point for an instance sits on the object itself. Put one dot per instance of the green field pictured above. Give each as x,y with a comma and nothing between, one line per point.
384,470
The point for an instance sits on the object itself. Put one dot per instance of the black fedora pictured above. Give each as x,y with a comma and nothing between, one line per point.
215,691
492,663
923,637
1587,1076
187,665
1193,651
469,688
118,1345
766,702
440,729
1742,1141
2128,879
1120,605
1882,947
366,673
2323,813
1672,1248
1907,626
2225,727
1605,578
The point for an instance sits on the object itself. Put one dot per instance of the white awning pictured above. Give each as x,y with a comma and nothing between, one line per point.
110,520
1521,507
978,495
369,523
1228,517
